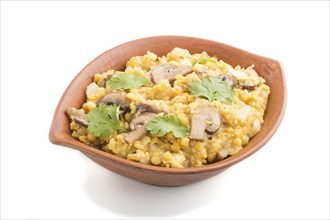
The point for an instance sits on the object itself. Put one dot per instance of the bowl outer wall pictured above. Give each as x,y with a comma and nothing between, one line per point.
117,57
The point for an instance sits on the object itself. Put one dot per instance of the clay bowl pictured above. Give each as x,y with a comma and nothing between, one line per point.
117,57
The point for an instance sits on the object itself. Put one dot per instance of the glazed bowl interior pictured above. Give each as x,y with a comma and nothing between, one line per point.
116,58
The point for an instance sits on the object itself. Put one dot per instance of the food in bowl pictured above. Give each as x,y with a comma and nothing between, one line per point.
179,110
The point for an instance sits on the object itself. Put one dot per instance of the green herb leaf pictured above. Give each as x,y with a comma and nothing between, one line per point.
127,81
103,120
203,60
212,88
169,123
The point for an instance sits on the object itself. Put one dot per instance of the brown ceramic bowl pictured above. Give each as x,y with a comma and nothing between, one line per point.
117,57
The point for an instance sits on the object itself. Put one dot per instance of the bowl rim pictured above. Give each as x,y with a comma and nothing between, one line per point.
58,139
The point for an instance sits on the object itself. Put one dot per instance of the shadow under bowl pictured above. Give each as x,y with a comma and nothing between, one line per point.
116,58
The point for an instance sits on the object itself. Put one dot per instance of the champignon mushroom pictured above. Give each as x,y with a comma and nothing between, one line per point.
248,85
161,72
228,79
77,116
183,70
81,121
103,82
197,127
168,71
115,98
142,108
141,120
135,135
138,127
245,80
221,154
206,119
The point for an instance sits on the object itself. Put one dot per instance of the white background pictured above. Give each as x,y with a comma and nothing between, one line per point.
45,44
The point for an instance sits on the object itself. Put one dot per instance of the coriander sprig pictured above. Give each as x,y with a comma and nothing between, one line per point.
160,125
212,88
103,120
127,81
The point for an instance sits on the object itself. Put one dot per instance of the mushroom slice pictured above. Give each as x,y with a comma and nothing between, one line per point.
141,120
81,121
103,83
244,79
161,72
183,70
138,127
197,127
168,71
221,154
135,135
212,119
116,98
77,116
142,108
206,119
228,79
248,85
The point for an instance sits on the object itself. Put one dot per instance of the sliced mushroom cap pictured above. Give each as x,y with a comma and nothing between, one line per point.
77,116
138,127
248,85
141,120
212,119
81,121
197,130
142,108
103,83
161,72
135,135
115,98
245,80
221,154
207,119
183,70
228,79
168,71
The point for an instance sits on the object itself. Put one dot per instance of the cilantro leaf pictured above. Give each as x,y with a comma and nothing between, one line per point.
169,123
212,88
127,81
203,60
198,89
103,120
